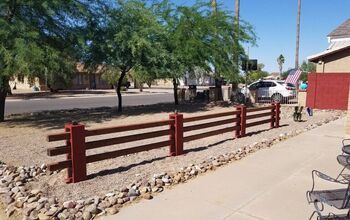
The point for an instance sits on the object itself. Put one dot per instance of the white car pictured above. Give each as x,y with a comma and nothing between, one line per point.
274,90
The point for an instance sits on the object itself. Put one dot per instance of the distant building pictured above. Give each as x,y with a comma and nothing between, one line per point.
83,79
273,76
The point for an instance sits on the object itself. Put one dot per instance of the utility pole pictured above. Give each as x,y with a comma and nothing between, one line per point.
237,5
236,31
298,37
214,5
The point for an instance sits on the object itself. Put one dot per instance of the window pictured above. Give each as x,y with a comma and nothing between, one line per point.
254,86
268,84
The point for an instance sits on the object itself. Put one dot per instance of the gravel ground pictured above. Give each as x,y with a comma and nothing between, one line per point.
23,143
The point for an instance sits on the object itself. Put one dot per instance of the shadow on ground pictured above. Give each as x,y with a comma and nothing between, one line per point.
57,119
111,171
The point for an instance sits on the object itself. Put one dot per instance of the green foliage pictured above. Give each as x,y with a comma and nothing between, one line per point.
280,62
198,39
307,67
258,74
37,38
153,40
132,37
142,76
111,75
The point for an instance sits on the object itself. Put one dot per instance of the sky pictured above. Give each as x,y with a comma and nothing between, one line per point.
275,26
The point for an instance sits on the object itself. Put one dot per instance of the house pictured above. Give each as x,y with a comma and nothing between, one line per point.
273,76
329,85
336,58
82,79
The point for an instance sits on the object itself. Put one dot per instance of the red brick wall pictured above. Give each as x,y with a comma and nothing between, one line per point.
328,90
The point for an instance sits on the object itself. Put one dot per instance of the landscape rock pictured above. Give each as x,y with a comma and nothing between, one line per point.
87,215
42,216
133,192
113,210
147,196
91,209
69,204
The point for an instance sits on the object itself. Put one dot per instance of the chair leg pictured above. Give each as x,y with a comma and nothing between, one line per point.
319,209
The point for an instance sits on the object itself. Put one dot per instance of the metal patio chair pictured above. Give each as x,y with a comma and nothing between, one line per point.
337,198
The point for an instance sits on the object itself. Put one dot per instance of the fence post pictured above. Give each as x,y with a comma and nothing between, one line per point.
176,135
277,114
68,179
238,123
273,115
243,118
77,153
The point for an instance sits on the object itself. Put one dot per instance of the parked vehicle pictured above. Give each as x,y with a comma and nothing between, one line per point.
270,90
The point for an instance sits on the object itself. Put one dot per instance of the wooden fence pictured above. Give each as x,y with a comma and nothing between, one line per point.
75,134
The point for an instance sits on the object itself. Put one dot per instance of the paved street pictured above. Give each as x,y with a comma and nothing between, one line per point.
16,106
267,185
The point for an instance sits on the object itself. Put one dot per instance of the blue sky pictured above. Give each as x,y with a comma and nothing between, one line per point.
275,25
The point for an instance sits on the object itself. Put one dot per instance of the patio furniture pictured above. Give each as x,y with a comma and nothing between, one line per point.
337,198
346,147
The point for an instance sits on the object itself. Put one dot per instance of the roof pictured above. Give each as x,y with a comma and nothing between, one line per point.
333,48
342,31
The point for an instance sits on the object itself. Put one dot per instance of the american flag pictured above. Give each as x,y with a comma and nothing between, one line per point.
293,76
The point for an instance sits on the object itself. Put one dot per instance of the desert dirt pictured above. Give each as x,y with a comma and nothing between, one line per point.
23,142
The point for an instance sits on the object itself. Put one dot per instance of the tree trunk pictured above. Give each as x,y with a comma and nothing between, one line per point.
176,100
119,85
4,89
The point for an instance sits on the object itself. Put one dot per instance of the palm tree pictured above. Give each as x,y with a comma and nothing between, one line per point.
280,61
297,37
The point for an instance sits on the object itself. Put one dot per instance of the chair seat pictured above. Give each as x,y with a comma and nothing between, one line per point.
333,197
335,217
346,149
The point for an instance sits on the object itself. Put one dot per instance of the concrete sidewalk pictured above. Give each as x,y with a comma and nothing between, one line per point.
268,184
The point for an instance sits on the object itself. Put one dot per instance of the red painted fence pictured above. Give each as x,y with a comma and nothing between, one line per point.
328,90
76,145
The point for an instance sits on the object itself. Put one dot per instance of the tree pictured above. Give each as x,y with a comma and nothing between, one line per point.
258,74
38,39
280,62
142,76
306,67
197,40
132,40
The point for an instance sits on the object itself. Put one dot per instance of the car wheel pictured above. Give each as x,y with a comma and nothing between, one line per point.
277,98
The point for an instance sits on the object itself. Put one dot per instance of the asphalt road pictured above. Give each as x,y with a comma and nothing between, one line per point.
40,104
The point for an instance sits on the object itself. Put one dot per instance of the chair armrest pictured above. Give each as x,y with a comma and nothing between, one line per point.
344,160
344,140
325,177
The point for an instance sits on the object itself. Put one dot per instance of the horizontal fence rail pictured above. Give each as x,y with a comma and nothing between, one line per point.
176,128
